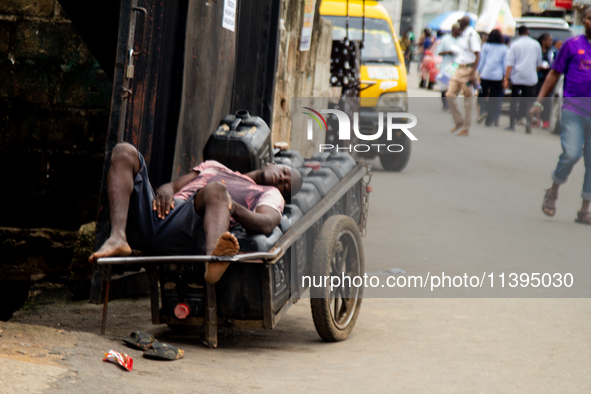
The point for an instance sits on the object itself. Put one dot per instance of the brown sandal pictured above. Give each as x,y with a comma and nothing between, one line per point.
547,205
583,217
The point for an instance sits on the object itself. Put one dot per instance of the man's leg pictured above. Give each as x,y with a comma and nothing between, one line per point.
572,139
586,194
484,100
122,171
451,95
513,108
444,100
496,91
529,97
468,98
212,203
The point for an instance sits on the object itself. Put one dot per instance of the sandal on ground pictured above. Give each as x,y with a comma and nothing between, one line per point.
547,205
139,340
162,351
583,217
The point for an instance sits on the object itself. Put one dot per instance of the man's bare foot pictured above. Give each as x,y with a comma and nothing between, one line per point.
464,132
112,247
227,246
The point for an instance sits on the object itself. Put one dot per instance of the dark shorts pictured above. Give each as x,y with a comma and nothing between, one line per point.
179,233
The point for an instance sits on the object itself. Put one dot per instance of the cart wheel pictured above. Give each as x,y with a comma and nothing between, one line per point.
397,161
338,250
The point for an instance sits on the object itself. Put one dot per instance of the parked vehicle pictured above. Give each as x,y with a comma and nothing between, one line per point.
382,70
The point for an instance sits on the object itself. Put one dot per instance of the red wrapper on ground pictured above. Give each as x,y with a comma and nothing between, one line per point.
119,358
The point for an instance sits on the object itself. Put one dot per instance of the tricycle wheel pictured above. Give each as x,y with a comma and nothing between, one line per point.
338,250
397,161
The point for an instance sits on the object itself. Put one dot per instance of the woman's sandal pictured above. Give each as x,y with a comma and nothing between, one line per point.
547,205
162,351
583,217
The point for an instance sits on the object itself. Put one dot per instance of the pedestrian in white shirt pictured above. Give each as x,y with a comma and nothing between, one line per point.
465,77
449,50
523,62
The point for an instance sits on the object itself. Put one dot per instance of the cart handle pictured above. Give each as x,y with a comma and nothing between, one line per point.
245,257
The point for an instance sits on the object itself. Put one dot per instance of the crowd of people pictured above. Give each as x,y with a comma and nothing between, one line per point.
531,68
521,66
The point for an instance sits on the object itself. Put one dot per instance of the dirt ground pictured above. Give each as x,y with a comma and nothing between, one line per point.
400,345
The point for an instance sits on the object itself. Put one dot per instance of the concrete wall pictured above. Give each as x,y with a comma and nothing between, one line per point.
54,108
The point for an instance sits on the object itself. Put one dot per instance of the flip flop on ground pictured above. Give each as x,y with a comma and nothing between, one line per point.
139,340
162,351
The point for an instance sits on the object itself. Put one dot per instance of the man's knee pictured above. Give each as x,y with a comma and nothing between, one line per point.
124,151
572,155
214,192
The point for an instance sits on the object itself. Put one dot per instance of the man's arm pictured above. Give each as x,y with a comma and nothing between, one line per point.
547,88
510,62
474,77
507,76
163,201
263,221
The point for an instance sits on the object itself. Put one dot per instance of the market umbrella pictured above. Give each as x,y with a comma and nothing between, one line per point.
497,16
443,22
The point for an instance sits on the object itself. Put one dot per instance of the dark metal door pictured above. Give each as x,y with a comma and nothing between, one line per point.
151,88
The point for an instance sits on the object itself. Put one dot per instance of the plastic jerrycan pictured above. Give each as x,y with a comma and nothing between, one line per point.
323,178
341,163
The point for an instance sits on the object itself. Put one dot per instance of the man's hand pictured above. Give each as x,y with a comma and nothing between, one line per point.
535,111
163,202
474,78
506,83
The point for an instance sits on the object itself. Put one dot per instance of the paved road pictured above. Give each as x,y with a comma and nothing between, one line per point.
461,202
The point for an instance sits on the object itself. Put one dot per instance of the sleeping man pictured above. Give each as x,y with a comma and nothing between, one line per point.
192,214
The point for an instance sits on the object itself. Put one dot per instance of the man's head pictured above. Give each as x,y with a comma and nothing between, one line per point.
587,22
557,43
456,30
464,22
523,30
285,178
545,41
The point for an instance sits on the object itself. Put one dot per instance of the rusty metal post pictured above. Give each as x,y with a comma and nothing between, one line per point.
211,318
106,289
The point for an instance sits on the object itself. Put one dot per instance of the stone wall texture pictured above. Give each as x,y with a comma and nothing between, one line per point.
54,110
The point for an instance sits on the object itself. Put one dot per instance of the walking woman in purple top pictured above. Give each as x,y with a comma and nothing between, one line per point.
574,61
